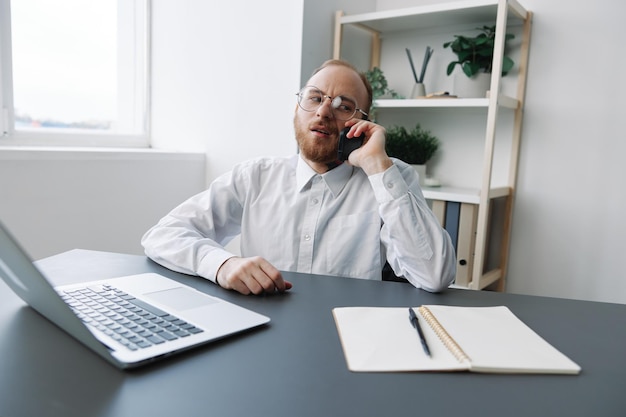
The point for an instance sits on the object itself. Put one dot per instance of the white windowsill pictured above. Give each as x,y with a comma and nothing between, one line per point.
77,153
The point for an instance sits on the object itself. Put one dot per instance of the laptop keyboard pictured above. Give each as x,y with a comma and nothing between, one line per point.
132,322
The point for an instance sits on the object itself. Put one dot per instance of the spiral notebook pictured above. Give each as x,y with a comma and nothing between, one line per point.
475,339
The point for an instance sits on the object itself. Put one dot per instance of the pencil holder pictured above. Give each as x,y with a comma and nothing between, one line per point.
419,91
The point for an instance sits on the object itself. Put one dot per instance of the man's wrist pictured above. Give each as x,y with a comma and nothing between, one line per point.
376,165
220,271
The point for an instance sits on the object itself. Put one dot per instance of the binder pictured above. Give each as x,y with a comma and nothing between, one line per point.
453,211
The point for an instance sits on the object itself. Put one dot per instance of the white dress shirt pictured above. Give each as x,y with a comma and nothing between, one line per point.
341,223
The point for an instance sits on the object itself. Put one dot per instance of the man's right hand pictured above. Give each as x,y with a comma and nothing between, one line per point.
251,275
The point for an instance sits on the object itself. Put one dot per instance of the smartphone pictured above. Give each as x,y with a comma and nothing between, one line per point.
347,145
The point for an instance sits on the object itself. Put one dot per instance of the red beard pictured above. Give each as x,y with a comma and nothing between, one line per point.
316,149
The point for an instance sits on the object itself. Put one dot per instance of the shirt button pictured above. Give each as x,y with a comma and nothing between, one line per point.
307,237
390,185
315,201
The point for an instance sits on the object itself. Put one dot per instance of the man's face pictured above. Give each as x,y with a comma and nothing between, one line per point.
317,132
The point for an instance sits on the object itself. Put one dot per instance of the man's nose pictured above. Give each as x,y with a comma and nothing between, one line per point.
326,108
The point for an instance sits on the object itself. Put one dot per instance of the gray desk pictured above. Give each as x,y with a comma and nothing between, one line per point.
295,367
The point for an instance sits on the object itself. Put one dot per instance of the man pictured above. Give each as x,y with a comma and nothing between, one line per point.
310,212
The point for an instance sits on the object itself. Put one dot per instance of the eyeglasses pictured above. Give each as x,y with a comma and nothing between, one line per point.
344,108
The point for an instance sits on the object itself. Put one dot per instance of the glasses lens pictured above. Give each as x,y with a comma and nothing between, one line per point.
344,107
310,99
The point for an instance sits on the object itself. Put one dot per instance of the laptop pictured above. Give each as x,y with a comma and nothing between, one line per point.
131,320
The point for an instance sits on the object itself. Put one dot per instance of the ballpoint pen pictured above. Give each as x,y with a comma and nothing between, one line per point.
415,323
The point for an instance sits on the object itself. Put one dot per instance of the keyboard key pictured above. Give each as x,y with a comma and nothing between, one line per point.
169,327
155,339
150,326
167,335
195,330
144,333
148,307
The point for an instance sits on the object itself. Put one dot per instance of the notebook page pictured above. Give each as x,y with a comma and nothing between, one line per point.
497,341
377,339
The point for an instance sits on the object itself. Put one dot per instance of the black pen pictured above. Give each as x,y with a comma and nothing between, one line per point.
415,323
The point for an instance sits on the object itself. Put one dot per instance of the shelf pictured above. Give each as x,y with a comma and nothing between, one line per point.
466,213
503,101
462,195
435,15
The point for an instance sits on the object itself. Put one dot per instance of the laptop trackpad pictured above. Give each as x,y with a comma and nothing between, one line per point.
181,298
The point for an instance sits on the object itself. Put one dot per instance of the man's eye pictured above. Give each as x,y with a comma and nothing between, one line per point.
346,108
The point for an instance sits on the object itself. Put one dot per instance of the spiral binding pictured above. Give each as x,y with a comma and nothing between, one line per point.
443,335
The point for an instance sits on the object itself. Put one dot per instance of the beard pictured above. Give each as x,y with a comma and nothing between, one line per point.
316,149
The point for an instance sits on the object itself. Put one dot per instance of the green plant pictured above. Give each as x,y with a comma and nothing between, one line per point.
377,80
414,147
475,54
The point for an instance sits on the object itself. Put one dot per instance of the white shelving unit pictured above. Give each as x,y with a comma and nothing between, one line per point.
503,101
475,204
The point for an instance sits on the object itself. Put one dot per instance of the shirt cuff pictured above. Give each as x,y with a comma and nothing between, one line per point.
388,185
211,262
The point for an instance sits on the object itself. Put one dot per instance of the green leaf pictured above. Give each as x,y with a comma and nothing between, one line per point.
451,66
475,54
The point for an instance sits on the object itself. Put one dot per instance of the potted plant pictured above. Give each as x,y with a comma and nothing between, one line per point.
475,56
416,146
380,88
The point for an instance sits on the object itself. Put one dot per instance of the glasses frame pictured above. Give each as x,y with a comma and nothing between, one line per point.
324,96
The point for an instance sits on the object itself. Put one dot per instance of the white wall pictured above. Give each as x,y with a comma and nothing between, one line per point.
568,225
225,75
57,200
319,30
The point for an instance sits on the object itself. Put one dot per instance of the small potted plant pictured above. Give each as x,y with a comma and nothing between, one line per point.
416,146
475,56
380,88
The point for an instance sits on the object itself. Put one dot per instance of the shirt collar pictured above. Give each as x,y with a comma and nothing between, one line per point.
335,179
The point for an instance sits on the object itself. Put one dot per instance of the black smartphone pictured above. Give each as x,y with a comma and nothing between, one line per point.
347,145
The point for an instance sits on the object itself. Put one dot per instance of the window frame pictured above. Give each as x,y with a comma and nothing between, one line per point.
66,137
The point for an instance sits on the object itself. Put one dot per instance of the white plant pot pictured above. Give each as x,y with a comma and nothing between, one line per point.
419,91
475,87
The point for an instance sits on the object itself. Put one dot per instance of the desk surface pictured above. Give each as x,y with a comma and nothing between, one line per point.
295,366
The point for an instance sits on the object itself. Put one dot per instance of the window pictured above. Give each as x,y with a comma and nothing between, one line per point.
74,72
